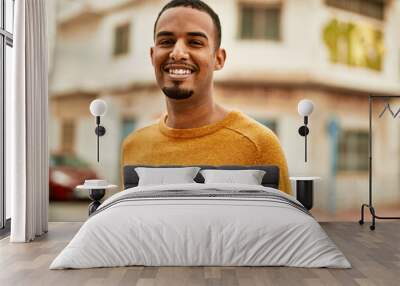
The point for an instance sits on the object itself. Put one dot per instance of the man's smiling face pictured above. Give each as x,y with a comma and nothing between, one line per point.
184,55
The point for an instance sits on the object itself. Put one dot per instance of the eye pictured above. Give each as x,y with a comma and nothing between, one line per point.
196,43
166,42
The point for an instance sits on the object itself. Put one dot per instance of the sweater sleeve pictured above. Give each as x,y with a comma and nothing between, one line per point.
271,153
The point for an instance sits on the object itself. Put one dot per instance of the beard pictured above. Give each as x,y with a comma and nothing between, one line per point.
177,93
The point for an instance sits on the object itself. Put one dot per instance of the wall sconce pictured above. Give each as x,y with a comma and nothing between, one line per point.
98,107
305,108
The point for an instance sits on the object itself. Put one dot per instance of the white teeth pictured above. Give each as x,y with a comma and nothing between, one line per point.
180,71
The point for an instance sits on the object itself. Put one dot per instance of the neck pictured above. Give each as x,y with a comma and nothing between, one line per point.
183,115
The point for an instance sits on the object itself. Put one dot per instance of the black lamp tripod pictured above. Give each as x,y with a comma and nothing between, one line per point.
370,204
100,131
303,131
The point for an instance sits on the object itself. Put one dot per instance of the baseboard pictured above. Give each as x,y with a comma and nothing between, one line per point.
5,231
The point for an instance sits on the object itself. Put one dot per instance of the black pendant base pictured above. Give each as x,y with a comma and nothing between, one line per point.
305,193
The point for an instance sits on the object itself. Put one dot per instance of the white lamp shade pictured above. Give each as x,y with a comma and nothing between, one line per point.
98,107
305,107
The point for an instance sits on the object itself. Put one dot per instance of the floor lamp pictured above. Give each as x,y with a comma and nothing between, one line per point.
370,204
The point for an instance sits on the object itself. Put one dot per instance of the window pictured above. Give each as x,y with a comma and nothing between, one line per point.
353,151
68,136
260,22
121,39
6,44
128,125
371,8
271,124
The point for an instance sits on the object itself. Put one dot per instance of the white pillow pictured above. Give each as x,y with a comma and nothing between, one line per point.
248,177
163,176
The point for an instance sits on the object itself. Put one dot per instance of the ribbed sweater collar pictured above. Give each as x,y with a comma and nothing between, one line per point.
199,131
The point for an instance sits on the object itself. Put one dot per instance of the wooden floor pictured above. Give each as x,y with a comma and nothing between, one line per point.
375,257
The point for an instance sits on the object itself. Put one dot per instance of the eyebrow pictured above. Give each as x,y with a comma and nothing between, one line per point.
193,34
164,33
198,34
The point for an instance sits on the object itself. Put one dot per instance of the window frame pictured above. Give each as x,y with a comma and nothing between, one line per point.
126,27
68,135
257,6
132,121
360,8
270,123
344,167
6,39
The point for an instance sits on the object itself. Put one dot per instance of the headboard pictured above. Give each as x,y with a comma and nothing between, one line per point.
270,179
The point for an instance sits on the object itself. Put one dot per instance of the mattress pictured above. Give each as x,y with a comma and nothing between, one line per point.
201,225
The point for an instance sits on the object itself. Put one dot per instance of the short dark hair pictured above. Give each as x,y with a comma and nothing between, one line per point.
198,5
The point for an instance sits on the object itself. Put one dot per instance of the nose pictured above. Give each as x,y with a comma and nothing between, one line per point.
179,51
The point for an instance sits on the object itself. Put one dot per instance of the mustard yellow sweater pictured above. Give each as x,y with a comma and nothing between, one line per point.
235,140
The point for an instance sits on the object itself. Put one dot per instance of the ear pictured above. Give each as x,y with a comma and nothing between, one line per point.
151,55
220,57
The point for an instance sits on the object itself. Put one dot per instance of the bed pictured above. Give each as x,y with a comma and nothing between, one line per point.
201,224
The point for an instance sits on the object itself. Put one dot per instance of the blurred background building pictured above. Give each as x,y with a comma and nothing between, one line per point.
334,52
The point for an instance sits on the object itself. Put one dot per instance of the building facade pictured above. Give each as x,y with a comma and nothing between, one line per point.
333,52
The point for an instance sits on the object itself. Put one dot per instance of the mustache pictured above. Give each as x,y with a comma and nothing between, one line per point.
181,63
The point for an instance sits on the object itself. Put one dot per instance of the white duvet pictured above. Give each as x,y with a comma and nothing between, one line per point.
183,231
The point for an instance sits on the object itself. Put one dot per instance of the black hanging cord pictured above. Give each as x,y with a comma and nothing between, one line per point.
100,131
303,131
98,136
305,137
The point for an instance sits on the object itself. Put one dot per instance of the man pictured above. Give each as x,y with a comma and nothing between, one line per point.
196,130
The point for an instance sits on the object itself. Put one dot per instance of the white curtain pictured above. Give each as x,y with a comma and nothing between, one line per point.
26,132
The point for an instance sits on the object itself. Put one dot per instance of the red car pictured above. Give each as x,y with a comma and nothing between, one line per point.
65,173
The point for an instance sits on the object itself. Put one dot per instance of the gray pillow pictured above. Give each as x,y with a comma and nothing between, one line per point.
163,176
248,177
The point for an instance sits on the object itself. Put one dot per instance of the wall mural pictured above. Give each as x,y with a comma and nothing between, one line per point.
354,44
